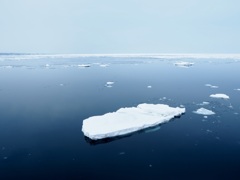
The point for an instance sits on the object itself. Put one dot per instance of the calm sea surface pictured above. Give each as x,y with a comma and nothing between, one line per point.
43,102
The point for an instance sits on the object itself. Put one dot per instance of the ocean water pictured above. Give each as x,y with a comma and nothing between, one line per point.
44,99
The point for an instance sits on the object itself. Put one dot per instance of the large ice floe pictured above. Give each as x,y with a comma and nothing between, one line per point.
221,96
128,120
204,111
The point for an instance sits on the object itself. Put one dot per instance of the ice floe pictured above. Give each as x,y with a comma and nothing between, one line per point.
211,86
183,64
203,103
109,84
128,120
237,89
204,111
149,87
104,65
221,96
84,65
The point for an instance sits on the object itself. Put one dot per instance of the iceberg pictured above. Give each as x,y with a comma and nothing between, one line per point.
128,120
204,111
221,96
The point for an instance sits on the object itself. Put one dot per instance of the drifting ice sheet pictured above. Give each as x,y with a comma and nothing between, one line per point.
221,96
128,120
204,111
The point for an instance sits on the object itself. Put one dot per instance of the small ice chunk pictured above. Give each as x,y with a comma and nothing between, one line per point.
183,64
149,87
221,96
61,84
237,89
47,65
104,65
84,65
128,120
204,111
109,84
211,86
205,117
5,158
203,103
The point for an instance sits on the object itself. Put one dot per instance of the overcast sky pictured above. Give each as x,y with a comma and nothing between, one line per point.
120,26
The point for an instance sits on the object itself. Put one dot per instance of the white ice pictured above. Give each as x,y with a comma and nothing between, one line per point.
237,89
149,86
109,84
211,86
221,96
104,65
128,120
203,103
84,65
204,111
183,64
157,56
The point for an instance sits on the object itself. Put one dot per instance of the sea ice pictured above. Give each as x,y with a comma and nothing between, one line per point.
84,65
149,86
211,86
104,65
128,120
237,89
204,111
221,96
109,84
183,64
203,103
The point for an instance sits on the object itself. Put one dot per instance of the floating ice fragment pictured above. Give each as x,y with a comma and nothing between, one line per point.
128,120
203,103
211,86
104,65
204,111
109,84
237,89
221,96
47,65
5,158
205,117
183,64
84,65
149,87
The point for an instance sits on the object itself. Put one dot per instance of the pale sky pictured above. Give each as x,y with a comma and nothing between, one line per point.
123,26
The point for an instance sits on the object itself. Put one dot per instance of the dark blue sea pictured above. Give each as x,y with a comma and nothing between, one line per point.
44,100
